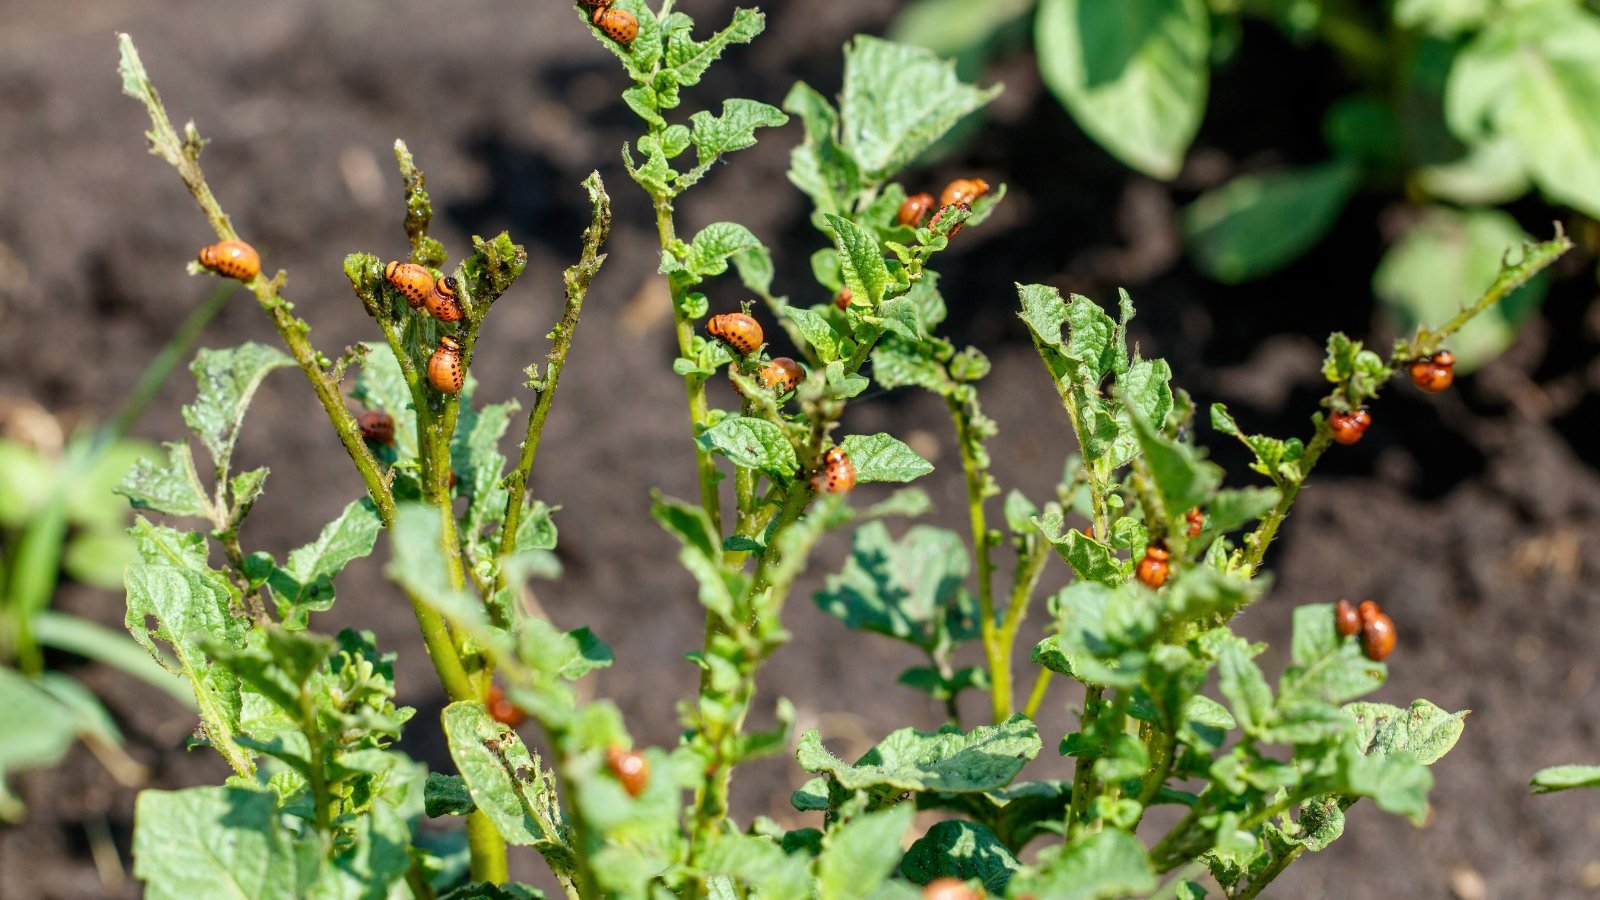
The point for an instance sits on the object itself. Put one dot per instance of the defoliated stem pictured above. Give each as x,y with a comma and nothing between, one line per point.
995,651
184,156
577,277
694,384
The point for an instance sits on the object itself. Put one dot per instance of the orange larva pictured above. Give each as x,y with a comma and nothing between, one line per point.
444,368
630,768
1153,569
741,332
915,209
781,375
947,888
1368,611
234,259
1346,620
1434,373
618,24
415,281
843,298
442,302
377,427
963,191
1349,425
501,709
837,475
1378,637
1196,520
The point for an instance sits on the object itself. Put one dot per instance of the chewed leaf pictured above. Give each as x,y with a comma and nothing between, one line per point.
898,100
984,759
911,589
880,457
228,380
752,443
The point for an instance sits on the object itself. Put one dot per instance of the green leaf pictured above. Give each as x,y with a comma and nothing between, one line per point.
898,363
911,590
880,457
958,29
33,733
507,782
760,863
90,504
735,129
753,444
173,489
476,460
374,861
305,583
1183,478
446,795
687,59
1423,729
228,380
1565,778
417,563
211,842
1444,18
1018,812
1530,76
382,385
860,855
964,850
897,101
1090,559
1446,262
1242,683
861,260
1143,390
28,484
483,890
817,332
1256,224
185,608
984,759
1233,508
1134,74
1099,866
713,247
1326,668
821,167
97,558
701,552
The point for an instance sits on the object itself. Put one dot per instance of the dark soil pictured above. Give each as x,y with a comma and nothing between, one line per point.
1471,516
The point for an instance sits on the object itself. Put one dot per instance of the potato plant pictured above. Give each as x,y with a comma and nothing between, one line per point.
321,804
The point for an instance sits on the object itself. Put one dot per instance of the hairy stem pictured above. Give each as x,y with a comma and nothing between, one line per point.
1536,258
577,278
996,651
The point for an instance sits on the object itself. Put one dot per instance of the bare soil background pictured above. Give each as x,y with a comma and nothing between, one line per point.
1470,516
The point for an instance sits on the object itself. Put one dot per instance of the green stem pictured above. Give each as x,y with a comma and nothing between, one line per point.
577,278
1083,770
1041,686
488,850
997,653
1030,566
1536,258
694,385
